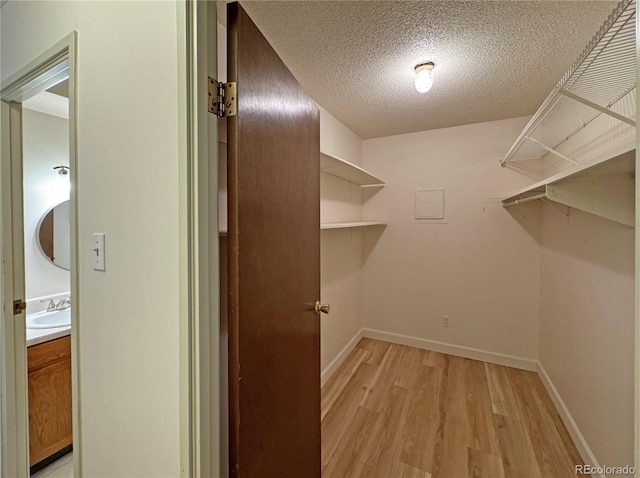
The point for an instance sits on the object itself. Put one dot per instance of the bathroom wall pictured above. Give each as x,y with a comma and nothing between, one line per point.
46,145
131,186
480,265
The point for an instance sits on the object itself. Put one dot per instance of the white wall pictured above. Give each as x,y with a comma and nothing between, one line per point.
480,265
587,327
341,249
338,140
340,265
587,301
128,188
341,272
46,145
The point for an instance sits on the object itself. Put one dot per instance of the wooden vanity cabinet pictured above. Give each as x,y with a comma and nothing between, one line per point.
50,425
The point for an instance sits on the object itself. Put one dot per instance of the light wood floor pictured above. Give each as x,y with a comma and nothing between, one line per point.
392,411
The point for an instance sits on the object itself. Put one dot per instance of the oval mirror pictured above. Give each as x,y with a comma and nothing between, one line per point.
54,237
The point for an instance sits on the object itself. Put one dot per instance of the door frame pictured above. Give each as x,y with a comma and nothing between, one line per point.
200,335
41,73
637,268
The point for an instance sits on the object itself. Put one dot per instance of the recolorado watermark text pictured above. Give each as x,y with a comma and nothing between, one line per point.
605,470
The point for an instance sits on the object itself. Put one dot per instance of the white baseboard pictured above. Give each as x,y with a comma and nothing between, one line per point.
337,361
457,350
569,422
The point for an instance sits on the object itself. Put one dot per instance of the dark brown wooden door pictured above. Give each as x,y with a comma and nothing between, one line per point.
274,263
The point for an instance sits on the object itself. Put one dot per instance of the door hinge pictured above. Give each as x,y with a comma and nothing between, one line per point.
223,98
19,306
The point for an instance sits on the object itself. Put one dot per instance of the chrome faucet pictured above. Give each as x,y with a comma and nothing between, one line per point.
51,305
64,303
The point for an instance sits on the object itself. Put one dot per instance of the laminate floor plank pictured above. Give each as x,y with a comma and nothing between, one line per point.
338,420
407,471
435,359
546,401
384,453
375,350
423,420
517,453
481,434
450,451
407,366
484,465
355,446
392,411
518,458
497,382
553,460
339,380
383,379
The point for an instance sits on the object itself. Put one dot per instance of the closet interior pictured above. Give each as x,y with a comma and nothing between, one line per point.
508,242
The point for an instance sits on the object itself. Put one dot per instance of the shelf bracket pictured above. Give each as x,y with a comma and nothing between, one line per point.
596,106
611,199
557,207
552,151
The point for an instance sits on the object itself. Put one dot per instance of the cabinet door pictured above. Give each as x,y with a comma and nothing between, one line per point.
274,264
50,423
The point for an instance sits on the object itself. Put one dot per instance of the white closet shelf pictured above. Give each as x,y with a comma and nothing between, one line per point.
605,188
601,82
345,170
344,225
335,225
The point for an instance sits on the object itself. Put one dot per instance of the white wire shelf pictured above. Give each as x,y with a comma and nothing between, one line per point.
345,170
605,188
600,82
330,225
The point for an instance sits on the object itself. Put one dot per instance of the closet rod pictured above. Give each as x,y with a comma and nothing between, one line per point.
527,199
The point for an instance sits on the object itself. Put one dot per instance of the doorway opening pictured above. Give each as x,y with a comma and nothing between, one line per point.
39,282
405,368
47,257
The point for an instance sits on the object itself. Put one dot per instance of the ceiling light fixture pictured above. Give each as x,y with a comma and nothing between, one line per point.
424,76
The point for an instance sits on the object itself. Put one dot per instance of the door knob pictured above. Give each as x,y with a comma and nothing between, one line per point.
324,308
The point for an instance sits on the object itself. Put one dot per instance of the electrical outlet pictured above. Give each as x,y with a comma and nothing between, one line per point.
445,321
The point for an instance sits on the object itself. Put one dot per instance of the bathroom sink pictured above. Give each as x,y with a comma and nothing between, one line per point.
49,320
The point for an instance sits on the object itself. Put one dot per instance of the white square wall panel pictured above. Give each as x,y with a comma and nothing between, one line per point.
430,203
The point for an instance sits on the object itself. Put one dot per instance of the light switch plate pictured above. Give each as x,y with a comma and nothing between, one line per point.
98,251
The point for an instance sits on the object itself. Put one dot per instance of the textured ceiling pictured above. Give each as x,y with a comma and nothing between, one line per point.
493,60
